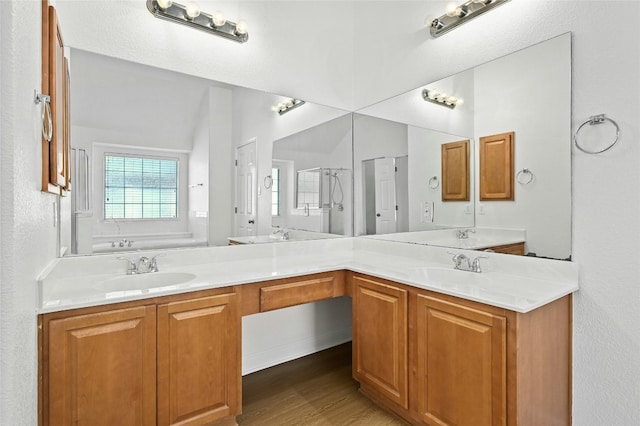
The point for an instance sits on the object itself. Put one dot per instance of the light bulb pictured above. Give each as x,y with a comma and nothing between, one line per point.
219,19
274,108
281,106
289,103
193,10
432,94
442,97
452,100
459,102
242,27
451,9
164,4
461,11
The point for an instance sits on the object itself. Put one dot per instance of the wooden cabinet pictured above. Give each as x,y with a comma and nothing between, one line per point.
380,330
55,84
496,167
165,361
461,364
198,360
468,363
102,368
455,171
517,248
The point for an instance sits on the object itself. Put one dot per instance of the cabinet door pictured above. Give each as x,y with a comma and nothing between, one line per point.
380,338
199,379
57,89
496,167
455,171
102,369
461,365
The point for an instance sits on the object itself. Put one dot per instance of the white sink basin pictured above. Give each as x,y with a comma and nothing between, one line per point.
145,281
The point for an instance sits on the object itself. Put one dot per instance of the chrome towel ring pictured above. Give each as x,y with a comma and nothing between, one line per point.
45,116
593,120
434,182
525,176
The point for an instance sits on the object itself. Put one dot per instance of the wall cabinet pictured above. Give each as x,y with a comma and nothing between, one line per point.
173,362
467,363
455,171
55,84
496,167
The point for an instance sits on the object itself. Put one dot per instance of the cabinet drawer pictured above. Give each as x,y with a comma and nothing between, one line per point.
296,293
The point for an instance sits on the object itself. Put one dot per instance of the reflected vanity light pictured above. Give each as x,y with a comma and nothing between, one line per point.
288,105
190,15
441,98
456,16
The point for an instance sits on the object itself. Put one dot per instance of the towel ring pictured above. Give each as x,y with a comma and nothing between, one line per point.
525,176
45,115
434,182
596,119
268,181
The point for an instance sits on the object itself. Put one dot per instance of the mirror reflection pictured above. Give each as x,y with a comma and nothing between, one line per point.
526,94
162,159
314,184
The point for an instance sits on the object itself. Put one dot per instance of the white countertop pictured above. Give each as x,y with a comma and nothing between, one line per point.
517,283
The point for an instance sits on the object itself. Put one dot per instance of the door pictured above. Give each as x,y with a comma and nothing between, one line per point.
385,183
461,365
102,369
246,190
198,360
380,338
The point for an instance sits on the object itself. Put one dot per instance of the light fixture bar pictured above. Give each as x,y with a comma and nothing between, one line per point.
442,99
287,106
461,14
183,14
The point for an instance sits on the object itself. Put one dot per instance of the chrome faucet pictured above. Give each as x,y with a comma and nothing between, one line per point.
284,235
463,234
464,263
143,265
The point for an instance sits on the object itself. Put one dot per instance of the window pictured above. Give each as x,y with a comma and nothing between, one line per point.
308,193
139,187
275,191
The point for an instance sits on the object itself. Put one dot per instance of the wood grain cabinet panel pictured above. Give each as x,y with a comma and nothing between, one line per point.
380,338
455,171
102,369
461,365
496,167
198,360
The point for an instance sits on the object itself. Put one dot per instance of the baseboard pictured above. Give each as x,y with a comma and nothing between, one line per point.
293,350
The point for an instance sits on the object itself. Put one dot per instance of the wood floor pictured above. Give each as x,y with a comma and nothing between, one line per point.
311,391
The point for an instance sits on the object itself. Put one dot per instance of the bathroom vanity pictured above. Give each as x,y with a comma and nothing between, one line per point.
430,343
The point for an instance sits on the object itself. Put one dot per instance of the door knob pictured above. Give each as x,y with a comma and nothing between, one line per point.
378,214
251,221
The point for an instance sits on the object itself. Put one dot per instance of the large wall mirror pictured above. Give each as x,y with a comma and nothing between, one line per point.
526,93
163,159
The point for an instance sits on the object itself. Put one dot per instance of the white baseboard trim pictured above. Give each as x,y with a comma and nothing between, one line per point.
293,350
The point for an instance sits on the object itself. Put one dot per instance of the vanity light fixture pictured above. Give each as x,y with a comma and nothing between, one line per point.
440,98
189,14
461,14
288,105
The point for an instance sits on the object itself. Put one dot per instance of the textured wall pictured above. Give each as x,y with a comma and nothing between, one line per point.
28,237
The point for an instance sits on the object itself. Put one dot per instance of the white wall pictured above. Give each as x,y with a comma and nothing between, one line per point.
332,67
373,138
221,170
198,182
425,161
27,234
529,93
